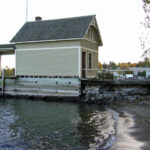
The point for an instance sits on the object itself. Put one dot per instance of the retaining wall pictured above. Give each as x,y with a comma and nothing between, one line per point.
41,87
108,91
76,89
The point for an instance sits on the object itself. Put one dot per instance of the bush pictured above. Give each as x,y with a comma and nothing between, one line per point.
143,73
9,71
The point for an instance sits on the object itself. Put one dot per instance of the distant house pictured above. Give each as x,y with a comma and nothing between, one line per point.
62,47
129,76
117,75
136,70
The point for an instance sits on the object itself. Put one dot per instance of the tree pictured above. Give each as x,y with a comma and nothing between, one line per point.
146,6
129,63
112,65
143,73
145,37
146,59
124,66
105,66
100,65
133,65
146,62
9,71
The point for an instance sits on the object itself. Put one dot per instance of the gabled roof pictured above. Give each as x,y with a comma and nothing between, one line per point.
59,29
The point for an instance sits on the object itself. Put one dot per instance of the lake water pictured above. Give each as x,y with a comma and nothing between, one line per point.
26,124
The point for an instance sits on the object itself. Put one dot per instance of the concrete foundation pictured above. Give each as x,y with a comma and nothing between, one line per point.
41,87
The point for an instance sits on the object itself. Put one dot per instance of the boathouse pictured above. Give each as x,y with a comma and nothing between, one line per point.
58,48
52,57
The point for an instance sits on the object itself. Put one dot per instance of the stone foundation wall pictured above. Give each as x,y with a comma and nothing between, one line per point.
109,93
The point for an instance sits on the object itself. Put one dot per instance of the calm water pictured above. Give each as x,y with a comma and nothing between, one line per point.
26,124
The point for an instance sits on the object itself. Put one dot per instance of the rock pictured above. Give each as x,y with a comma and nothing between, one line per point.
123,114
102,93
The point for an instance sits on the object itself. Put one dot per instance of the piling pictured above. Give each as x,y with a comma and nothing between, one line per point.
3,81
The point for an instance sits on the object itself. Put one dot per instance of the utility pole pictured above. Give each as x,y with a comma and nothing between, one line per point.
26,10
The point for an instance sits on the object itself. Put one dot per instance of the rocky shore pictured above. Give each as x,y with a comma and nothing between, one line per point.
105,95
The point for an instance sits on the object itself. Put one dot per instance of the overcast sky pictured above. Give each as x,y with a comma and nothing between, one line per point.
118,20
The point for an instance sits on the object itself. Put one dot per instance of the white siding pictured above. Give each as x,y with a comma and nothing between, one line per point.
60,62
60,58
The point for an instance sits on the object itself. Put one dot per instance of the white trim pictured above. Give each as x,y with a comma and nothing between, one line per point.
79,55
92,69
41,41
15,65
91,41
96,51
6,48
50,48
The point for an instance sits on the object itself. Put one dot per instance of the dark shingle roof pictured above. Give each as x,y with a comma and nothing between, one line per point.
54,29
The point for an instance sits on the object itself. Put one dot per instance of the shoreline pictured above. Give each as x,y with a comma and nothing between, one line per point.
133,126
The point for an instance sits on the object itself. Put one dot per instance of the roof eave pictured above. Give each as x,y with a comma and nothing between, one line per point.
42,41
7,46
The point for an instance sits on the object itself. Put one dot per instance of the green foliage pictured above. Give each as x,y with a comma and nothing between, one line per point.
105,76
9,71
105,66
143,73
129,72
112,65
145,63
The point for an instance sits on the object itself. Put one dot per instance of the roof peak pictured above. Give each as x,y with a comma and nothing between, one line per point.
62,18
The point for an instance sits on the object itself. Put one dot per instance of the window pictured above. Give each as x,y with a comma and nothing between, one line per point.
92,34
90,60
89,34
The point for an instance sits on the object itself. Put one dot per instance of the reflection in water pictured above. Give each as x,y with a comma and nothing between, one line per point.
97,126
86,126
7,117
29,124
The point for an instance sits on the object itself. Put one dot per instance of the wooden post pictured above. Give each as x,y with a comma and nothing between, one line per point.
0,66
3,81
